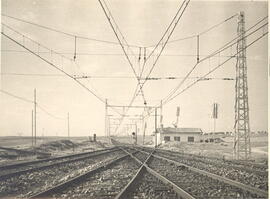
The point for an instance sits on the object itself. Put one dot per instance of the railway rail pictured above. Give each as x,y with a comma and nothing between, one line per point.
247,191
7,173
24,184
256,176
130,172
30,163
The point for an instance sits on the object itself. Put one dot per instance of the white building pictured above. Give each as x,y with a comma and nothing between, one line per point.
177,135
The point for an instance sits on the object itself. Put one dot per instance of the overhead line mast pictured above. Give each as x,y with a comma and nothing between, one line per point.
242,148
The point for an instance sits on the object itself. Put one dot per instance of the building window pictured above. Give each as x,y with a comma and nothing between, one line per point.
190,139
166,138
177,139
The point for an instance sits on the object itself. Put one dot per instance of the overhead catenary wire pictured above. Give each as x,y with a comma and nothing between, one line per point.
106,77
16,96
109,54
31,101
53,65
185,4
121,40
166,99
224,47
63,32
214,69
200,33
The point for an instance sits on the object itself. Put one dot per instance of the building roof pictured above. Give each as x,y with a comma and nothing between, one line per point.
169,130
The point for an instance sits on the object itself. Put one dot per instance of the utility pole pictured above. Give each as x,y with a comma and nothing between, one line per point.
32,128
35,121
68,123
242,148
155,127
215,116
161,116
136,133
106,118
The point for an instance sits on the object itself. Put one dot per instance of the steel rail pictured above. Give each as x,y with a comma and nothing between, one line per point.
217,177
180,192
8,175
67,183
15,165
250,169
125,190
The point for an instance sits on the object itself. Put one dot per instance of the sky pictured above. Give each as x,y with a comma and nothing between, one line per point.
142,23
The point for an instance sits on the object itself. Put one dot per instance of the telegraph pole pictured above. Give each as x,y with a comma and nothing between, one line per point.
32,128
106,118
68,123
35,121
161,116
242,148
155,127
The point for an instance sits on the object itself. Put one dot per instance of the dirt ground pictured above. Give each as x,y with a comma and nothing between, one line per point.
55,146
259,148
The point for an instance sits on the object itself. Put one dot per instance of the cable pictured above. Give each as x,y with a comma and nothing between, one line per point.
65,33
112,54
30,101
163,46
201,78
115,27
254,41
212,54
16,96
201,33
48,113
134,96
53,65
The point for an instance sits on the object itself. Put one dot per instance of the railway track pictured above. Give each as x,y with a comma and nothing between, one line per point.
35,180
201,184
102,182
255,177
196,184
8,169
132,172
149,186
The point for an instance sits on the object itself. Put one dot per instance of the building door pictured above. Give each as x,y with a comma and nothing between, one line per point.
190,139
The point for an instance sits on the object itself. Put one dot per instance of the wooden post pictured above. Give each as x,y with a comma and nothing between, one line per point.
32,128
35,121
155,127
68,123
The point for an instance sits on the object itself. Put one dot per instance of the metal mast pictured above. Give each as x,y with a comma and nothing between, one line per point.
242,148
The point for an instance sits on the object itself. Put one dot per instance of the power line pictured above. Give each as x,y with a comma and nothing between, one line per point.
121,39
65,33
173,24
52,64
203,77
201,33
162,45
16,96
48,113
214,69
100,77
113,54
224,47
30,101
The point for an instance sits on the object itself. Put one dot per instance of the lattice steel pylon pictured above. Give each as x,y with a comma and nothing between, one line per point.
242,149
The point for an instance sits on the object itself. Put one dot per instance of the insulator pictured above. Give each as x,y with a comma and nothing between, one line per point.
144,54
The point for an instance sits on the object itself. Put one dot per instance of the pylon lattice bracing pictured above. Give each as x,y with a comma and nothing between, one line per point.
242,148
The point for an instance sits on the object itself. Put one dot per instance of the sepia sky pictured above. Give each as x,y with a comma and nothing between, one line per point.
142,23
